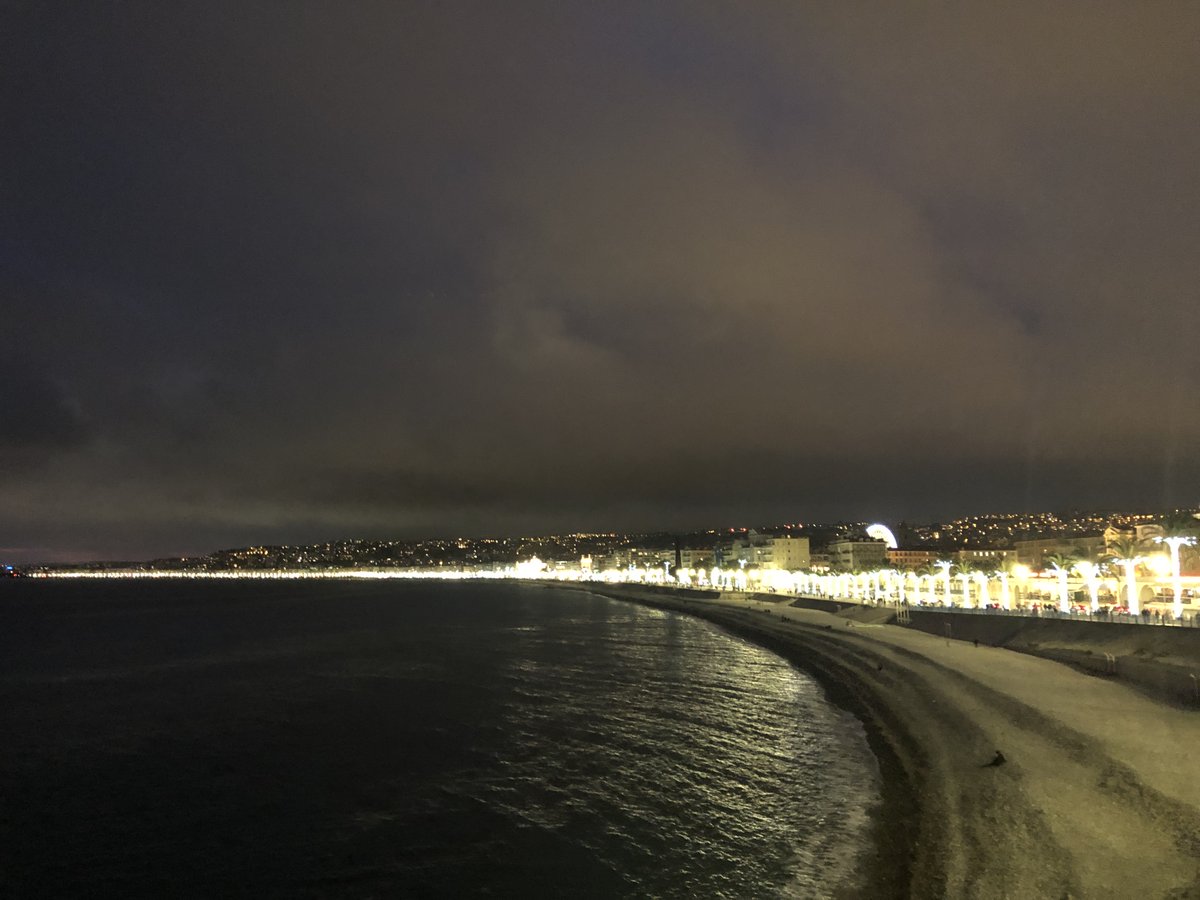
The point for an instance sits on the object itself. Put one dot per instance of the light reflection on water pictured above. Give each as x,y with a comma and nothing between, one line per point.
671,749
358,740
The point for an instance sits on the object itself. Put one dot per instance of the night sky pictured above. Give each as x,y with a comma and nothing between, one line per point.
283,272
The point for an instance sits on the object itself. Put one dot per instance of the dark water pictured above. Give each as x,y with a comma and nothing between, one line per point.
407,739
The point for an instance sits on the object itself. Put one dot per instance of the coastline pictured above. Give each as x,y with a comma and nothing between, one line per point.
1096,799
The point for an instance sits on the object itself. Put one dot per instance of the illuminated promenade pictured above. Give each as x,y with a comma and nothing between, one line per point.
1164,598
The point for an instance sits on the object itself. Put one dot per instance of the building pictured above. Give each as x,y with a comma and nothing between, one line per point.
985,558
749,551
760,551
1033,553
693,558
911,559
852,555
1142,536
789,554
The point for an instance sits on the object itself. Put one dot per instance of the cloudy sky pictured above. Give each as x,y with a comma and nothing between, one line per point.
289,272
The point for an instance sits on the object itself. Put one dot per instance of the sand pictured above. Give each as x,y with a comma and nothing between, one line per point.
1100,794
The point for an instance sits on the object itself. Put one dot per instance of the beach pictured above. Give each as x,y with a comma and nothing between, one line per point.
1099,793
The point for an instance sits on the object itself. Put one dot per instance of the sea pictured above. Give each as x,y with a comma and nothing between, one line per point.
166,738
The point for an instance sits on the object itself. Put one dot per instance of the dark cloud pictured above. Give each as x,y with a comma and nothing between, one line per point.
309,270
37,414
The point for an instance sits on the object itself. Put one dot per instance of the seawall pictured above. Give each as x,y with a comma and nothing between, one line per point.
1076,811
1162,662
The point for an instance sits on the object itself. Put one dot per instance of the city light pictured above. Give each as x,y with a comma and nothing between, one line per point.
953,583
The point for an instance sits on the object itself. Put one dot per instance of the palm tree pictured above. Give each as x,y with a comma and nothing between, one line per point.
1177,533
920,573
1089,570
965,570
1005,591
1061,564
945,567
1124,553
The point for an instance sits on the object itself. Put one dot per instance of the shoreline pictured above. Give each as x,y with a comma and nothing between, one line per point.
885,865
1074,813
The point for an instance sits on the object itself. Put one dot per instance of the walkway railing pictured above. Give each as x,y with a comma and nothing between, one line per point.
1189,620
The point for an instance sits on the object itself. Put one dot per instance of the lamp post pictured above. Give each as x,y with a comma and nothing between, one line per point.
1175,542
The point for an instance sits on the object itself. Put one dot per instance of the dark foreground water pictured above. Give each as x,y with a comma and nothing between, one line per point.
409,739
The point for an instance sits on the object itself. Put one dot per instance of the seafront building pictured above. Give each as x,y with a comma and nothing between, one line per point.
854,554
912,559
761,551
1140,535
1034,553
